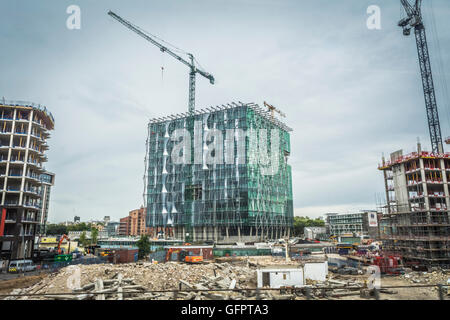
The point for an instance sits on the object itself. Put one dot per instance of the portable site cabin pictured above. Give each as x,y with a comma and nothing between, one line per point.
291,276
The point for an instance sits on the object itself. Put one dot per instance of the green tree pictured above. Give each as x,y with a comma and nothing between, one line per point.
83,239
56,229
143,245
301,222
94,235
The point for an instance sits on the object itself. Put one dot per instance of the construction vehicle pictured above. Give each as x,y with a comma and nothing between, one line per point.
389,264
333,239
184,256
193,68
63,237
414,20
60,257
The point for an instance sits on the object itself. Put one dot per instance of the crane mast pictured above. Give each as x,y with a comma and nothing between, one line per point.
414,20
193,69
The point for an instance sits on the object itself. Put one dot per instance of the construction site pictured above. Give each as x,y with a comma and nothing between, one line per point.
217,218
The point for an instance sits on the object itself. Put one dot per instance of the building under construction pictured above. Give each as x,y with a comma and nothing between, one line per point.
25,184
240,196
415,224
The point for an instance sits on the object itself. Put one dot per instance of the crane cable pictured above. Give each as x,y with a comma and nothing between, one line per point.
437,53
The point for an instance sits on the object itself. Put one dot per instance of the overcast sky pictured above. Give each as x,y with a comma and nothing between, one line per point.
349,93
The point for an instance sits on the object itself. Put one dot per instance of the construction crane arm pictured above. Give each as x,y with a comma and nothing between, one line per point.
147,37
144,35
414,20
408,8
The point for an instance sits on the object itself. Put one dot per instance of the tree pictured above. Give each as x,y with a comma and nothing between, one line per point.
143,245
83,239
301,222
56,229
94,235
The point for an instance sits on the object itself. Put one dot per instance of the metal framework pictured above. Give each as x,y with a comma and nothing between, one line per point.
218,201
414,20
193,69
416,221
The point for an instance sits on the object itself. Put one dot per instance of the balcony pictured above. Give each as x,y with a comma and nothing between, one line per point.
32,205
33,177
12,203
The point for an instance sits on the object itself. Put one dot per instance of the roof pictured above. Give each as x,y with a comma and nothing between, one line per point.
41,109
256,108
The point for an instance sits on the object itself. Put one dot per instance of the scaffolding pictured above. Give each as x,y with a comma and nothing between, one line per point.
220,201
415,224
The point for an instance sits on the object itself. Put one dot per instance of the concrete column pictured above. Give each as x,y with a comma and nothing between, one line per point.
228,236
26,155
11,140
194,234
424,184
215,234
251,231
239,233
204,233
444,178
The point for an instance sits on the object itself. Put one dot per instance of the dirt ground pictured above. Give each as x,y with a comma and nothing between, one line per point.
400,293
21,282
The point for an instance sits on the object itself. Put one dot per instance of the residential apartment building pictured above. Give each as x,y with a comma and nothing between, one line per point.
24,130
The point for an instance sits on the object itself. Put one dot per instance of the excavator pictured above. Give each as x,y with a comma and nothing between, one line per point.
60,256
184,255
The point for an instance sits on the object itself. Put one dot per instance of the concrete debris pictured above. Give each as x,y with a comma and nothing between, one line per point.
145,277
435,277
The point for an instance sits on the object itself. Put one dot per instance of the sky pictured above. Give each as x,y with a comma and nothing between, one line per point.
350,93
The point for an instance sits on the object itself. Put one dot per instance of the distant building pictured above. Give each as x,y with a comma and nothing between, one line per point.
112,228
137,222
76,219
75,235
106,219
359,223
124,227
48,180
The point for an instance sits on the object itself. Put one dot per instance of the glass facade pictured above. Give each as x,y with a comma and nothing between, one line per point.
236,194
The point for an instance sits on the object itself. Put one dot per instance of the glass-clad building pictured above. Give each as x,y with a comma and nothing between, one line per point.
219,174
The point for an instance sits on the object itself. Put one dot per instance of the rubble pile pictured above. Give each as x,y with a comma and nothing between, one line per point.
438,276
146,277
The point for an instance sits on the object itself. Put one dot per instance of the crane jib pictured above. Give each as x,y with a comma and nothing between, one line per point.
191,64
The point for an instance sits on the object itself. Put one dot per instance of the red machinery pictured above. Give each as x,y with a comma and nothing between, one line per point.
64,236
388,264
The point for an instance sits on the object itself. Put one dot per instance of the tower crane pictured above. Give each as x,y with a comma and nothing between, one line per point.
272,109
193,69
414,20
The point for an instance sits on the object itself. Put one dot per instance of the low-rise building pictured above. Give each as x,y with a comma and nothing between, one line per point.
359,223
